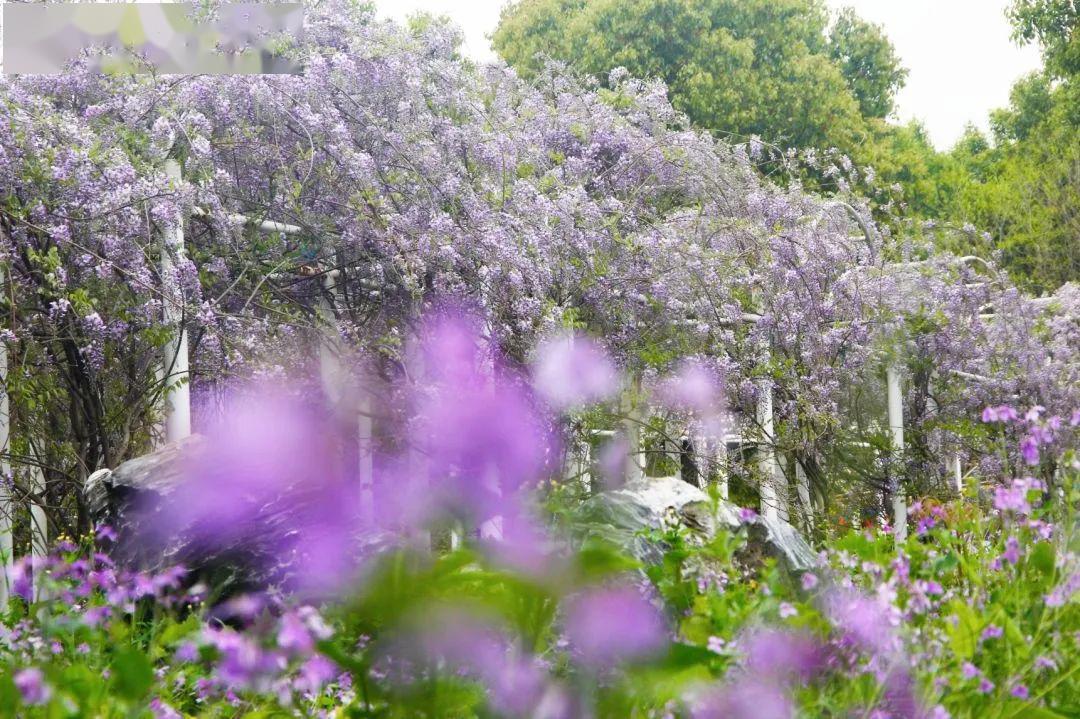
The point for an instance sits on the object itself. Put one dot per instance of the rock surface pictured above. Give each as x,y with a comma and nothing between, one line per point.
131,498
621,514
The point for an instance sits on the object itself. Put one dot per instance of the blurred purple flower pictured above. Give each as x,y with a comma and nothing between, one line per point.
32,686
1029,449
1045,662
695,388
186,653
315,673
524,546
472,645
268,476
1004,413
480,430
293,635
863,621
1012,550
900,701
572,371
1014,498
747,698
22,579
1020,691
992,632
1064,591
782,655
614,624
809,581
161,710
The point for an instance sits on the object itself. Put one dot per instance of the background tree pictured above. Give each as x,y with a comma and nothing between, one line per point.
1052,24
868,61
737,67
1022,184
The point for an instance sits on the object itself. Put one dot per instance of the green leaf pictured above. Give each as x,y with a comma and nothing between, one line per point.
686,656
964,636
133,674
1016,709
946,564
9,695
81,681
1042,559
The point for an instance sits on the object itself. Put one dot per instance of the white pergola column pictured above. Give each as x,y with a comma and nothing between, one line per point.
365,440
722,464
773,504
578,464
634,415
39,529
7,505
896,429
337,383
956,467
332,370
176,374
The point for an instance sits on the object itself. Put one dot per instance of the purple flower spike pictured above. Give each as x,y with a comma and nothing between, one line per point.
611,625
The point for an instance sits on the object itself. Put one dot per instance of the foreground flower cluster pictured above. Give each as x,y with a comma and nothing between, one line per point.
976,615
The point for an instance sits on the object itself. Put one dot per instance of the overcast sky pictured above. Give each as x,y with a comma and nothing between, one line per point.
961,59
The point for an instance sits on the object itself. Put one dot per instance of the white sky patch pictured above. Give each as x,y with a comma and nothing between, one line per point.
961,57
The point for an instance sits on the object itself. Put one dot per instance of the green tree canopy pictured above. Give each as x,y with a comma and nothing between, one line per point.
1054,25
869,63
739,67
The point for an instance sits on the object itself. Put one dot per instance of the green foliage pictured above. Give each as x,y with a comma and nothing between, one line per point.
1053,24
868,61
1024,188
984,614
737,67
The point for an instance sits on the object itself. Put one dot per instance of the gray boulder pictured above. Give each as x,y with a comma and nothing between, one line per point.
620,516
133,498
